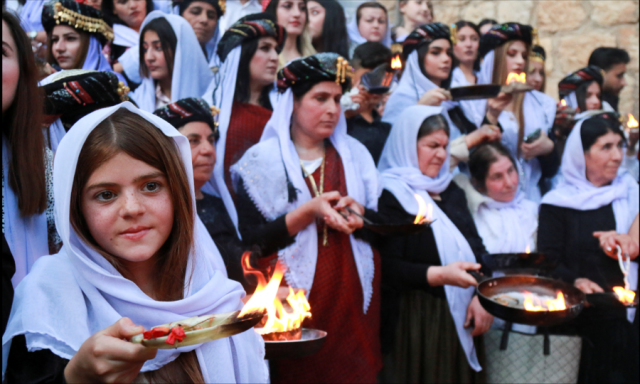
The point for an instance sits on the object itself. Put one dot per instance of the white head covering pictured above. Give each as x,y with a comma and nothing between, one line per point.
31,15
72,295
96,61
191,73
402,177
125,36
410,89
357,39
267,167
575,191
469,108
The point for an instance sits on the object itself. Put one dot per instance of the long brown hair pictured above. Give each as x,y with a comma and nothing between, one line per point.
168,41
500,74
81,56
22,128
129,133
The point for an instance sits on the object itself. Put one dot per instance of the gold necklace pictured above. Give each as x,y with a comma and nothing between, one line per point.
316,192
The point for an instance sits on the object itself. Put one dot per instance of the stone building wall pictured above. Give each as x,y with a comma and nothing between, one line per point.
569,31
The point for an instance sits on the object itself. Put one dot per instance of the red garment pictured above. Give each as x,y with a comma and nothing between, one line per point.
351,352
245,129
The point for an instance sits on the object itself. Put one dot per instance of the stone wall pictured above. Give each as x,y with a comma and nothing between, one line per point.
569,31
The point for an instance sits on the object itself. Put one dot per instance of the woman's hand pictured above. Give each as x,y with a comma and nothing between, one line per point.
453,274
486,133
587,286
496,105
541,147
107,356
117,67
477,317
353,221
434,97
610,239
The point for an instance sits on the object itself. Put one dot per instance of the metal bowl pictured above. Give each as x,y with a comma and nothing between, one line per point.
309,344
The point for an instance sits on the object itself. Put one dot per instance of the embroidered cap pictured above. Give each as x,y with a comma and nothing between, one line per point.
78,16
425,34
189,110
574,80
248,28
319,67
502,33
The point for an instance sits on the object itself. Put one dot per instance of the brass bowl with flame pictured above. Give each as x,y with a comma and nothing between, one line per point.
310,342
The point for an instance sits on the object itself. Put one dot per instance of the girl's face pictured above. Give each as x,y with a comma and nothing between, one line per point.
316,19
65,46
203,18
264,63
316,114
128,208
466,49
592,97
437,61
373,24
432,152
502,180
603,159
535,77
417,12
517,55
203,150
154,56
10,68
292,15
132,12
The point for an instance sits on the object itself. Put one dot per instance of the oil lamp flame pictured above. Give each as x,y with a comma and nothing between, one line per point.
533,303
632,123
563,103
423,209
514,77
265,298
396,62
625,296
528,250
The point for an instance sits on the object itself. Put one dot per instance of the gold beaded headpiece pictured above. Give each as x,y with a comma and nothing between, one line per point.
123,91
454,34
78,21
343,70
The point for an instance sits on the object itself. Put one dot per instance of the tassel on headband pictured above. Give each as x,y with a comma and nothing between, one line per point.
454,34
343,70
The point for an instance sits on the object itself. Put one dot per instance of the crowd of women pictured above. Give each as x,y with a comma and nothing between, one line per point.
148,144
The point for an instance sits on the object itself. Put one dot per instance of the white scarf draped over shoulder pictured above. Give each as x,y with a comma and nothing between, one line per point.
402,177
191,74
72,295
575,191
267,167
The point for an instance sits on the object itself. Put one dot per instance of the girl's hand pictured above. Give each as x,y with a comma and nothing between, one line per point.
541,147
486,133
453,274
107,356
434,97
587,286
478,317
611,239
496,105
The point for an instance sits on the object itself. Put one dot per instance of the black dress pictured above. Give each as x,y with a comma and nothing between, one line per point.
215,218
610,342
372,135
412,310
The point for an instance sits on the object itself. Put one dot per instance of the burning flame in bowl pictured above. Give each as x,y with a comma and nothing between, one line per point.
514,77
279,320
625,296
563,103
396,62
533,303
528,250
423,209
632,123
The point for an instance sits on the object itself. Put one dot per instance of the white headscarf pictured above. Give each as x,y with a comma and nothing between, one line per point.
469,108
267,167
31,15
410,89
539,113
96,61
72,295
357,39
575,191
191,74
125,36
402,177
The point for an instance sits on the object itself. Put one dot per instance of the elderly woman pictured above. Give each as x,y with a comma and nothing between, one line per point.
428,330
595,201
293,189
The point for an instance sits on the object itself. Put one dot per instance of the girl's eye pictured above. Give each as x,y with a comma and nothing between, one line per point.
105,196
152,186
194,141
321,99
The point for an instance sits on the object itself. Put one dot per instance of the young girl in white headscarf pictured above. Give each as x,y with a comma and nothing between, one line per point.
370,23
428,330
172,65
595,205
135,255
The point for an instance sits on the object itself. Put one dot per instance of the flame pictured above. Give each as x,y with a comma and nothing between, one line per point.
396,62
521,78
528,250
563,103
632,123
423,209
533,303
624,295
265,298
